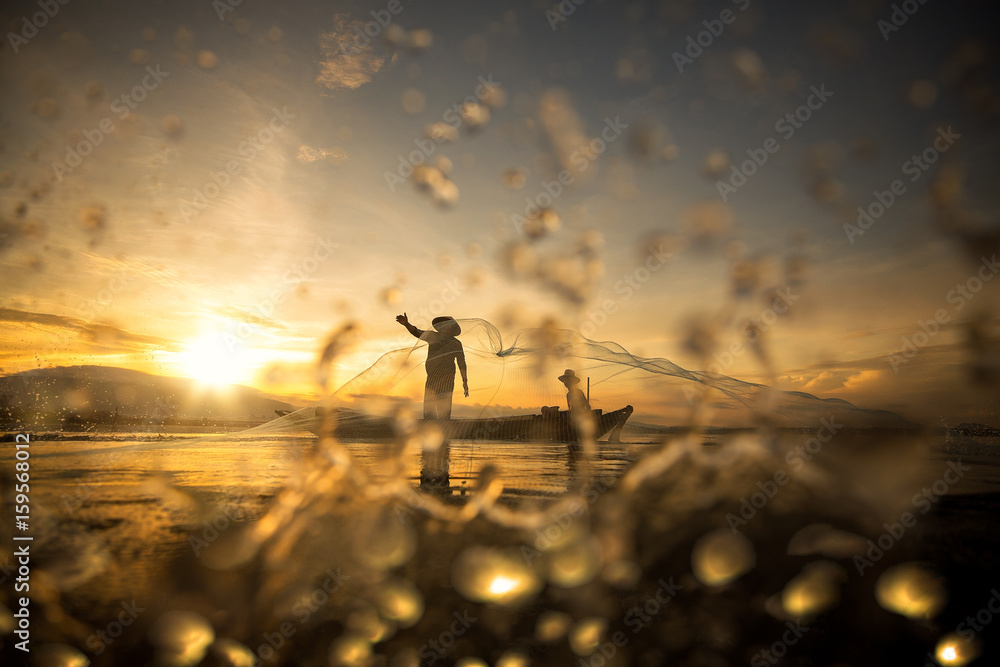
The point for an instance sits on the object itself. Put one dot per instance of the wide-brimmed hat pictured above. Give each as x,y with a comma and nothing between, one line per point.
446,320
569,374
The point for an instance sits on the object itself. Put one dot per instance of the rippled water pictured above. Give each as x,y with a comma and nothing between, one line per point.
136,505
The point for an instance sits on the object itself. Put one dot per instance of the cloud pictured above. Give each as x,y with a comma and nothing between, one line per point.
102,335
344,64
237,314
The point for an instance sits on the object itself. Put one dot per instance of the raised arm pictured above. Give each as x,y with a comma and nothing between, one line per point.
405,321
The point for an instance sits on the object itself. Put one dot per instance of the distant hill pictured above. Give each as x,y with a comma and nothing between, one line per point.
103,395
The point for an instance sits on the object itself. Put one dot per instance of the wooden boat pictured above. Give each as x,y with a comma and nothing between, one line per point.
550,426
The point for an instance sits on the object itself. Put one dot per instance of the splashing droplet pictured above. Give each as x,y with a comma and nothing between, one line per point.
492,575
911,590
814,590
586,635
721,557
182,638
954,651
398,600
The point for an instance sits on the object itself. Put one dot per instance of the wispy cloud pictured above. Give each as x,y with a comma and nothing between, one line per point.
105,335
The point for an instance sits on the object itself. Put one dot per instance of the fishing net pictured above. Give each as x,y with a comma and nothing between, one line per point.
517,375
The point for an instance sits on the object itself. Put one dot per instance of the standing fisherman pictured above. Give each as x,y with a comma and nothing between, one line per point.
444,350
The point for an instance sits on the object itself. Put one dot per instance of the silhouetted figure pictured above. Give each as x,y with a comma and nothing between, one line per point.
575,398
444,351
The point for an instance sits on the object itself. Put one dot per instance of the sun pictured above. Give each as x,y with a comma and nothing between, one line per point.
210,361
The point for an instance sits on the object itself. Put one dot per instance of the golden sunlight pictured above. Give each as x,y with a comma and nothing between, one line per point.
210,361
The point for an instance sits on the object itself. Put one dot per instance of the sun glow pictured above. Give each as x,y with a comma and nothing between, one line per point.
209,360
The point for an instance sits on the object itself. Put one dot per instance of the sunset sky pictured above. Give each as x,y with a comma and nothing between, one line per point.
148,254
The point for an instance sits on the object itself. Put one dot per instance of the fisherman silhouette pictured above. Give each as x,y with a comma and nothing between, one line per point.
575,398
443,352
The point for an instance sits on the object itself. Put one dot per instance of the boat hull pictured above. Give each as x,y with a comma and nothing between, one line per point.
349,426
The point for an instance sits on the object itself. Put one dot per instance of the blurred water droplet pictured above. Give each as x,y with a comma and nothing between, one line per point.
413,101
501,577
421,39
58,655
441,132
953,650
576,564
383,542
399,600
815,590
181,638
716,163
207,59
707,222
492,96
721,557
471,662
513,659
923,94
93,217
46,108
552,626
643,140
824,540
391,296
350,651
172,125
514,178
587,635
242,26
475,115
911,590
138,57
231,653
274,34
750,69
93,90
